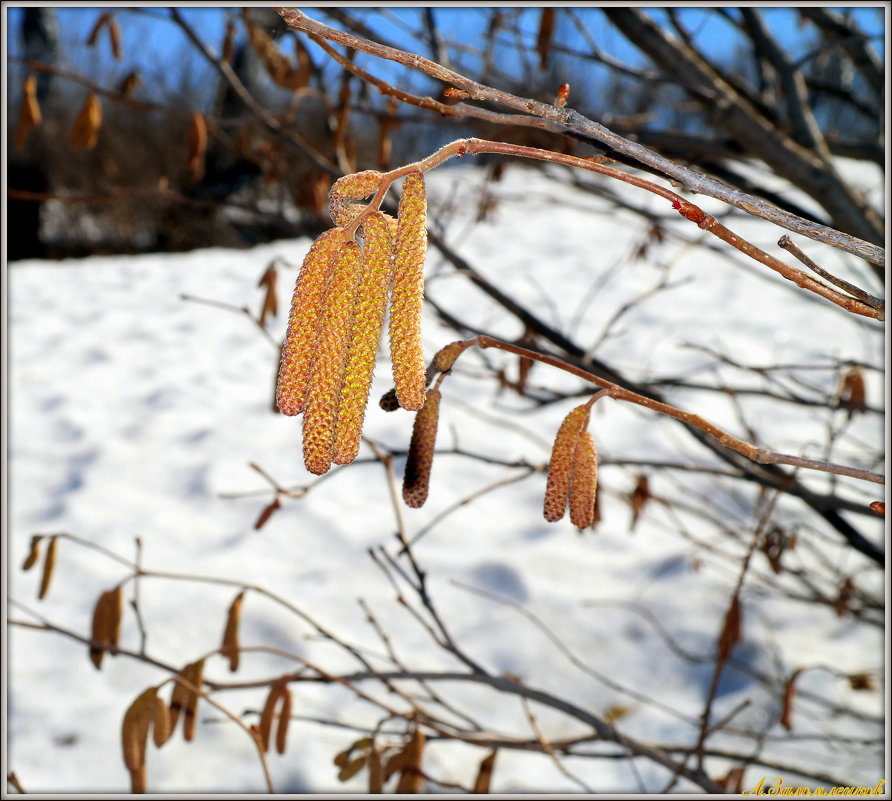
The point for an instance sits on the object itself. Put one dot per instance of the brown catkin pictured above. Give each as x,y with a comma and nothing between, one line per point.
584,485
406,348
560,468
416,479
324,390
368,320
303,322
447,355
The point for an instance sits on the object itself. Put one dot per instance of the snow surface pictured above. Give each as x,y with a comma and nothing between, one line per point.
135,412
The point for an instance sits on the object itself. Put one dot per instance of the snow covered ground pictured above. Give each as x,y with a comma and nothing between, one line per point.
134,413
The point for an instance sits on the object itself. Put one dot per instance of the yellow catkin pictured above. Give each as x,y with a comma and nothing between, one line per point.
368,321
303,322
584,486
560,468
324,389
406,348
416,479
357,186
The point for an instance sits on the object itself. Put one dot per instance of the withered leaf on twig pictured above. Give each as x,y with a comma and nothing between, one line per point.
543,38
85,130
230,646
786,718
852,394
29,111
638,500
731,630
33,552
268,282
484,774
198,142
49,565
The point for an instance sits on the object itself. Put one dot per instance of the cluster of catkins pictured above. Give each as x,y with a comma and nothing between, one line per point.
337,315
336,319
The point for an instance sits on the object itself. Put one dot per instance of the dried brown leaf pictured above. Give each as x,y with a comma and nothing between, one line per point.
862,681
376,771
268,282
352,768
732,781
412,778
33,553
543,38
731,630
615,713
786,718
134,737
268,714
844,599
197,144
161,727
484,774
230,646
638,500
29,111
284,720
85,131
852,394
103,20
49,565
114,39
228,49
102,620
190,712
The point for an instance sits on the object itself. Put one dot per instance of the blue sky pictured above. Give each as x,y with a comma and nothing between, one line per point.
153,44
